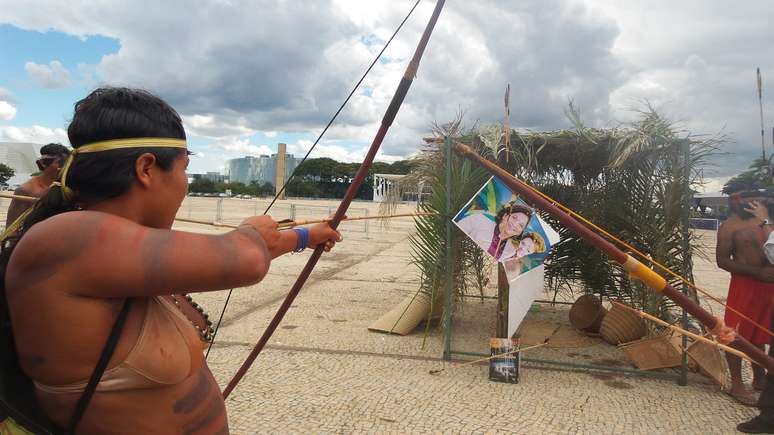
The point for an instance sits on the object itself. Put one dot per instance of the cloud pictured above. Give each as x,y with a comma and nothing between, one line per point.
208,126
242,77
6,95
53,75
231,78
242,147
34,134
696,73
7,111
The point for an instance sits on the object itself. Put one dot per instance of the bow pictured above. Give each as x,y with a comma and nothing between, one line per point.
389,116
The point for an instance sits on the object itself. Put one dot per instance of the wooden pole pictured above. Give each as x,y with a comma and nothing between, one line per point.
760,106
503,290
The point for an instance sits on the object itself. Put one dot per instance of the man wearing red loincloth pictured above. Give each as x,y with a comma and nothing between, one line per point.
751,292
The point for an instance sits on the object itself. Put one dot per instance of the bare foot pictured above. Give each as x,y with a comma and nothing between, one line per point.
743,396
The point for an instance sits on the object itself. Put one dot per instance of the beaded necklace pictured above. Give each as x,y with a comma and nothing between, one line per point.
206,332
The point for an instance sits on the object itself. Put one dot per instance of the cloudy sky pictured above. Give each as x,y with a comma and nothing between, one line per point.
246,75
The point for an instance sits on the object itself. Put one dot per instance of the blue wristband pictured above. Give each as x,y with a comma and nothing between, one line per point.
303,239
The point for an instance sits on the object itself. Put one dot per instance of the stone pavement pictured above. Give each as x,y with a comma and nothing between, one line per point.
324,372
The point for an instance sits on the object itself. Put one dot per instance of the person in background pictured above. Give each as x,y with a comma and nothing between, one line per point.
52,157
751,289
763,423
96,272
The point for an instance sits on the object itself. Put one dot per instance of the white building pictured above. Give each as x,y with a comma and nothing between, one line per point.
21,157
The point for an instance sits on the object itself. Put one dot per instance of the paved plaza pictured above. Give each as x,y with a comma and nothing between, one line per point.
324,372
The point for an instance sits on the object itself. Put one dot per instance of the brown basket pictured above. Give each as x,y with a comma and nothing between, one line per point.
587,313
622,326
658,352
710,361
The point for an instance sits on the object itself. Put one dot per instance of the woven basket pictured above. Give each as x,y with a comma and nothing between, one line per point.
622,326
710,361
587,313
659,352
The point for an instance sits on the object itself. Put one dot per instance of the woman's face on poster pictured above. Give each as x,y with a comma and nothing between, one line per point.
526,247
513,225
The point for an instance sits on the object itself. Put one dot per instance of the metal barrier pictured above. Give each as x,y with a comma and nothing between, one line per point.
233,211
704,224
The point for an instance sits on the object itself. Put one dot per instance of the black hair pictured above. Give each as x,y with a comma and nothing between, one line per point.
106,113
512,209
54,149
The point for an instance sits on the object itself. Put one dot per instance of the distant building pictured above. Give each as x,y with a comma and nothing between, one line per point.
21,157
262,169
215,177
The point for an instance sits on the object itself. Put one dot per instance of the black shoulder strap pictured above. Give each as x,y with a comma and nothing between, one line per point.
96,375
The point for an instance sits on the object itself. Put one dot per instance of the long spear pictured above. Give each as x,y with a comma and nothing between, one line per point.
389,116
629,263
760,106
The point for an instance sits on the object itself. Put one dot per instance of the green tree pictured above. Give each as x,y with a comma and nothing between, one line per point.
402,167
757,176
6,172
202,185
263,189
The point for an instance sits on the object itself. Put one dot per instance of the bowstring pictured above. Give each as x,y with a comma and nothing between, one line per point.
319,137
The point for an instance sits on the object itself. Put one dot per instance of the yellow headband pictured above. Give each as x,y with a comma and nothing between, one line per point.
114,144
107,145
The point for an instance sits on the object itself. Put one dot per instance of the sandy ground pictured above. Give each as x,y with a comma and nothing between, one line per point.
324,372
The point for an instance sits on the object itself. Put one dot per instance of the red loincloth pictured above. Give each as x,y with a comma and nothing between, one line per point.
754,299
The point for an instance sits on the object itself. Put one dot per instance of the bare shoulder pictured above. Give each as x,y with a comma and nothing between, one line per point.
63,236
24,189
729,226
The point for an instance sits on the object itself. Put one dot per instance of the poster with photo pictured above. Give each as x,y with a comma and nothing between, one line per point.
510,231
505,227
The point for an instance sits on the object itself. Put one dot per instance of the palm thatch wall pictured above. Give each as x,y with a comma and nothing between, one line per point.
631,180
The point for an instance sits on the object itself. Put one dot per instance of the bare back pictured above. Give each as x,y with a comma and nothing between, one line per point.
747,238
